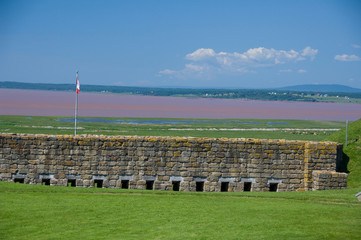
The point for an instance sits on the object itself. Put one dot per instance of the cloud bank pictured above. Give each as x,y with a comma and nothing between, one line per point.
205,62
347,58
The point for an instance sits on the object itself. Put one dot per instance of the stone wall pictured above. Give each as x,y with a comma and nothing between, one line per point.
170,163
323,180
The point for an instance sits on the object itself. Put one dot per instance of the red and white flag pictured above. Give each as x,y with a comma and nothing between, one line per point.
77,84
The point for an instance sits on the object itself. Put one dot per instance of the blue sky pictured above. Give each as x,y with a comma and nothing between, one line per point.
207,44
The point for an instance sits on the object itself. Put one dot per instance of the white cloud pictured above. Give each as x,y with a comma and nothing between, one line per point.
356,46
266,56
347,58
195,68
206,61
167,71
309,52
302,71
201,54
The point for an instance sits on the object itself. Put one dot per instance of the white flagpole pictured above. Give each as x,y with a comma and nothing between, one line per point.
346,131
76,101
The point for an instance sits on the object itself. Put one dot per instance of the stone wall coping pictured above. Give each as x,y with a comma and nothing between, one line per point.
162,138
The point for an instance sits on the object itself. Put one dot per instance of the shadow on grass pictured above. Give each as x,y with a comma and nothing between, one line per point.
342,161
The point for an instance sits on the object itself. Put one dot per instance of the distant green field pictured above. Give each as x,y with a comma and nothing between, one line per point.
46,212
230,128
335,99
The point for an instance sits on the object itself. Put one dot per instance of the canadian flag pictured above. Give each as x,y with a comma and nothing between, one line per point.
77,84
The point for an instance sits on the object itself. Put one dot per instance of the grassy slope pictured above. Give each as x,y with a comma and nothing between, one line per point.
352,151
43,212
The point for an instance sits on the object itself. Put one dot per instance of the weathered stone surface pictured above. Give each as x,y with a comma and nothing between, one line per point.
297,165
323,180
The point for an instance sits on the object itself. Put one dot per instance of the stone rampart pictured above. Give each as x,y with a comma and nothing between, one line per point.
170,163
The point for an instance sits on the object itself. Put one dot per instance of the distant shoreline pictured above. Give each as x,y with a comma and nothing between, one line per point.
286,94
58,103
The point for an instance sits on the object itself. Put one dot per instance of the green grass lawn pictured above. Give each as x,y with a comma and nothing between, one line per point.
286,129
46,212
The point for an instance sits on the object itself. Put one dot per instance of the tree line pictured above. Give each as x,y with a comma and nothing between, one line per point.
253,94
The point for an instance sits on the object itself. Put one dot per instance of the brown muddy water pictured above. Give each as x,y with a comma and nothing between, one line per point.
52,103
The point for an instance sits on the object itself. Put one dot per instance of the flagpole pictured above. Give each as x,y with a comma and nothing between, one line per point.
76,102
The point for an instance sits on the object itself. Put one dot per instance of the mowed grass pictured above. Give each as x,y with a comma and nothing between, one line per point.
248,128
47,212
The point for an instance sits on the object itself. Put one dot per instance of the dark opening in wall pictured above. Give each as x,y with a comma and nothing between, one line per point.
149,185
273,187
224,186
18,180
71,182
98,183
45,181
176,185
125,184
199,186
247,186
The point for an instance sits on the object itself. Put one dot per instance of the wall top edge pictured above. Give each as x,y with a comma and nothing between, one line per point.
162,138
